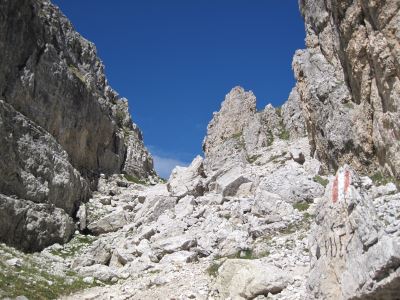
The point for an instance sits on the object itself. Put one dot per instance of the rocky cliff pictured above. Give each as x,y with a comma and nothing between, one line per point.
61,124
348,81
282,206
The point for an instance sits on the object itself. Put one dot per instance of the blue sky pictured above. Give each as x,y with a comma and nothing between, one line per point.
176,60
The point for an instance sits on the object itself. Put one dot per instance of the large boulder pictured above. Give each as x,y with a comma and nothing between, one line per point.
187,180
30,226
247,279
354,254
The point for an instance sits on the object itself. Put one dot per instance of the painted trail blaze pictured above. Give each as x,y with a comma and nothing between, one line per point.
335,192
346,181
341,186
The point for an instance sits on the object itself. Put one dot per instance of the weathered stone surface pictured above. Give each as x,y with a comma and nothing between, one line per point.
354,255
30,226
110,222
33,165
229,183
348,81
247,279
293,116
86,117
187,180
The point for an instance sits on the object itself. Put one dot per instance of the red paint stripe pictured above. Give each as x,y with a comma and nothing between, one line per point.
335,192
346,181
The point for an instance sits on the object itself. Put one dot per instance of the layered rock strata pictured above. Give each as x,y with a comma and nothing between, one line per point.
349,85
61,124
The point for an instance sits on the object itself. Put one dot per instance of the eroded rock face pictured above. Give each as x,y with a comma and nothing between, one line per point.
32,227
355,253
34,166
348,82
61,124
238,134
53,76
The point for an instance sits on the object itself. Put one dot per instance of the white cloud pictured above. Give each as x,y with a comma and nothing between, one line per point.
165,165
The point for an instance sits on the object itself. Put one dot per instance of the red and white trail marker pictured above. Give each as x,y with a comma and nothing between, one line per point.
341,185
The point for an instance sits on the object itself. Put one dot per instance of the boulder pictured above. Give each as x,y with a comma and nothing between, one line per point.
354,255
247,279
187,180
109,223
32,226
229,183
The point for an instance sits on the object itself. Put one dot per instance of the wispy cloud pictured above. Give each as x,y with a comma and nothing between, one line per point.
165,165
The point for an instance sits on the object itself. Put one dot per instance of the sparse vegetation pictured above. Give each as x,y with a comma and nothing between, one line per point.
120,116
74,70
275,157
237,135
380,179
253,158
134,179
74,246
301,206
34,280
284,134
320,180
213,269
270,138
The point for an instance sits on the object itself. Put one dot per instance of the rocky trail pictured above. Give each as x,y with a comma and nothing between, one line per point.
296,202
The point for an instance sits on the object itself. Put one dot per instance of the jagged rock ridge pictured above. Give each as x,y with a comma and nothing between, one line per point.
62,125
254,219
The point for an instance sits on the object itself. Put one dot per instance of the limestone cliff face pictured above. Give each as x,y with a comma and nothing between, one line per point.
61,125
52,75
239,133
348,81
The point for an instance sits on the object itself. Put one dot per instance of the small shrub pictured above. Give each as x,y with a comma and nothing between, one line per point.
320,180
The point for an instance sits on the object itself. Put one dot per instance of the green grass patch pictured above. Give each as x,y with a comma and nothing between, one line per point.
253,158
320,180
34,282
301,206
380,179
74,246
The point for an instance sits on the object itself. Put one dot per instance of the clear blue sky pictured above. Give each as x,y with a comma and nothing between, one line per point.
175,60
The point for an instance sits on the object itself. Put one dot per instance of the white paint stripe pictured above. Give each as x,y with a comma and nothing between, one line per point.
341,193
